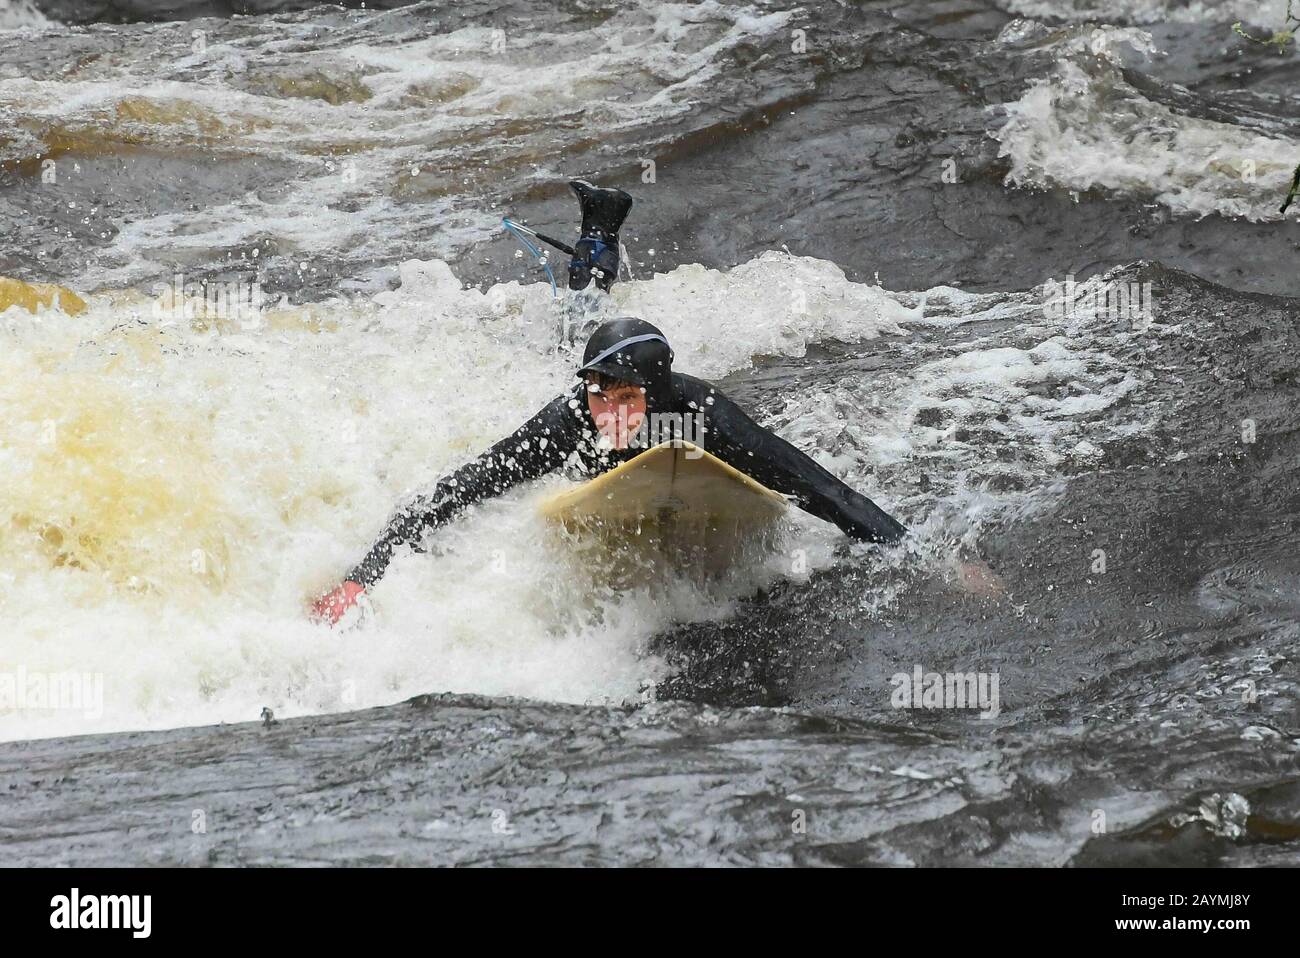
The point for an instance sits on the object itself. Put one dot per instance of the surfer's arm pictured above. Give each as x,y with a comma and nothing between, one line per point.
536,448
780,466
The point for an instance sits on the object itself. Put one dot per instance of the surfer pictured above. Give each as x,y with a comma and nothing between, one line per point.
596,255
625,380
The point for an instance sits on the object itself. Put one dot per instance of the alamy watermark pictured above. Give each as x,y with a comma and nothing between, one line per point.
49,691
127,912
653,429
233,300
1095,298
947,690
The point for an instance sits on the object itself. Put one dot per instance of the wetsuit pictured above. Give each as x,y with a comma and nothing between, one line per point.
596,254
563,436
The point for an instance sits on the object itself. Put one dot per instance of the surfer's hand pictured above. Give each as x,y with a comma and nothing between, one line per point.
333,605
975,577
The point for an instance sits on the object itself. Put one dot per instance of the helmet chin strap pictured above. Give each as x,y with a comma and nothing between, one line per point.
632,341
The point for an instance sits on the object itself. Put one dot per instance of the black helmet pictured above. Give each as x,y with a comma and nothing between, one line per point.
633,351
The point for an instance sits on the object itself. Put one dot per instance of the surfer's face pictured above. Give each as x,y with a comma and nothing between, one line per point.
617,409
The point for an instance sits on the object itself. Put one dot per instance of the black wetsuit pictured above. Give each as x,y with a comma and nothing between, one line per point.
563,436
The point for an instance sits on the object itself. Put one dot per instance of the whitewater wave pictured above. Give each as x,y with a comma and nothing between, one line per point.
331,140
1263,12
19,14
179,489
1084,127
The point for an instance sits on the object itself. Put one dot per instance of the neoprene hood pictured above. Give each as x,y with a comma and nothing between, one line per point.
636,352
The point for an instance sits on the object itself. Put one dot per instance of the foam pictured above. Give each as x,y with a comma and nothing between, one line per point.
178,490
203,480
1263,12
1084,128
418,120
22,14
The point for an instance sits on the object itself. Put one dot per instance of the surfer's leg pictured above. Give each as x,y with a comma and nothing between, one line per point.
605,267
593,259
580,265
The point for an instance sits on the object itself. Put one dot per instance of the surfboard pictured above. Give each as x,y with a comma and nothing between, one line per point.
675,502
